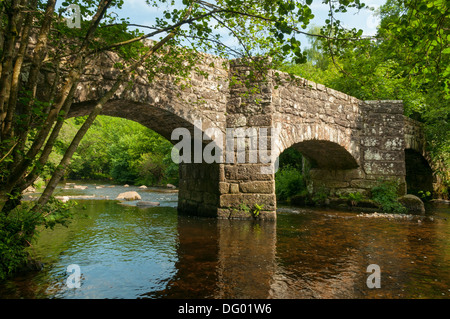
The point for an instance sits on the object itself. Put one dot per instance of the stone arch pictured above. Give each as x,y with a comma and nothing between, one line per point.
326,155
326,146
419,174
198,189
155,118
332,153
419,168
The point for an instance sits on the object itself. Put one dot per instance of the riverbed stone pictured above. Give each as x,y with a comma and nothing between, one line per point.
129,196
413,203
144,203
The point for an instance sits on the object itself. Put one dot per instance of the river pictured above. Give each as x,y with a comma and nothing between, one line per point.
124,251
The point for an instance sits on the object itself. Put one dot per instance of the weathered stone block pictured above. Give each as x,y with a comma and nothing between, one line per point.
259,120
210,199
385,168
224,188
265,187
235,200
363,183
245,172
234,188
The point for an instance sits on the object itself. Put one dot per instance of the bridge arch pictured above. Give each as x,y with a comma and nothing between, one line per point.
419,174
418,166
324,145
198,190
158,119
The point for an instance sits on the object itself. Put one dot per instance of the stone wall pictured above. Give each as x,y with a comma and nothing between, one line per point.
383,142
198,193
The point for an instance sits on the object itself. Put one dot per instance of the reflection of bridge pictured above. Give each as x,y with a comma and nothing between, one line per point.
350,143
302,255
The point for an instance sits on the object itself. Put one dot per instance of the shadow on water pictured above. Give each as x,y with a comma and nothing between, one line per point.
130,252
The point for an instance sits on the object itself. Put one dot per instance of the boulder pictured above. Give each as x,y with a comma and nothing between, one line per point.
126,185
413,203
29,189
170,186
129,196
143,187
64,199
144,203
79,187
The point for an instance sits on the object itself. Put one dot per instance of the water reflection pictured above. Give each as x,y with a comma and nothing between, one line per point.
129,252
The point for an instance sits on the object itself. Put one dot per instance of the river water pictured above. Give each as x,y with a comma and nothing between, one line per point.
124,251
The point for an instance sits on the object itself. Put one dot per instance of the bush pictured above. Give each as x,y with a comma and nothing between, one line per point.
289,181
385,195
19,229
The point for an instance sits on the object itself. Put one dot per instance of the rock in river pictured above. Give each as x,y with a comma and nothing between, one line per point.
129,196
413,203
144,203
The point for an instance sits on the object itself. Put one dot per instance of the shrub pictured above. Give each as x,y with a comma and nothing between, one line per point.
353,198
289,181
385,195
19,229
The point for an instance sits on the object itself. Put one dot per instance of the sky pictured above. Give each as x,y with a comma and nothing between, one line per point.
141,13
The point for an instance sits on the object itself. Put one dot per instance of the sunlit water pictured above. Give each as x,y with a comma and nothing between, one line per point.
124,251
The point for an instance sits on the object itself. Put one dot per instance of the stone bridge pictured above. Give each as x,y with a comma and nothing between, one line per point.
351,144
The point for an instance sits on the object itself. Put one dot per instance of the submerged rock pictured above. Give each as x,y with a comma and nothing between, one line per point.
129,196
413,203
144,203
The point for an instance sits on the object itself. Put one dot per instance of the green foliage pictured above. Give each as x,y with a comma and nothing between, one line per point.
289,181
292,158
425,196
385,194
20,227
320,195
121,150
257,209
244,207
353,198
